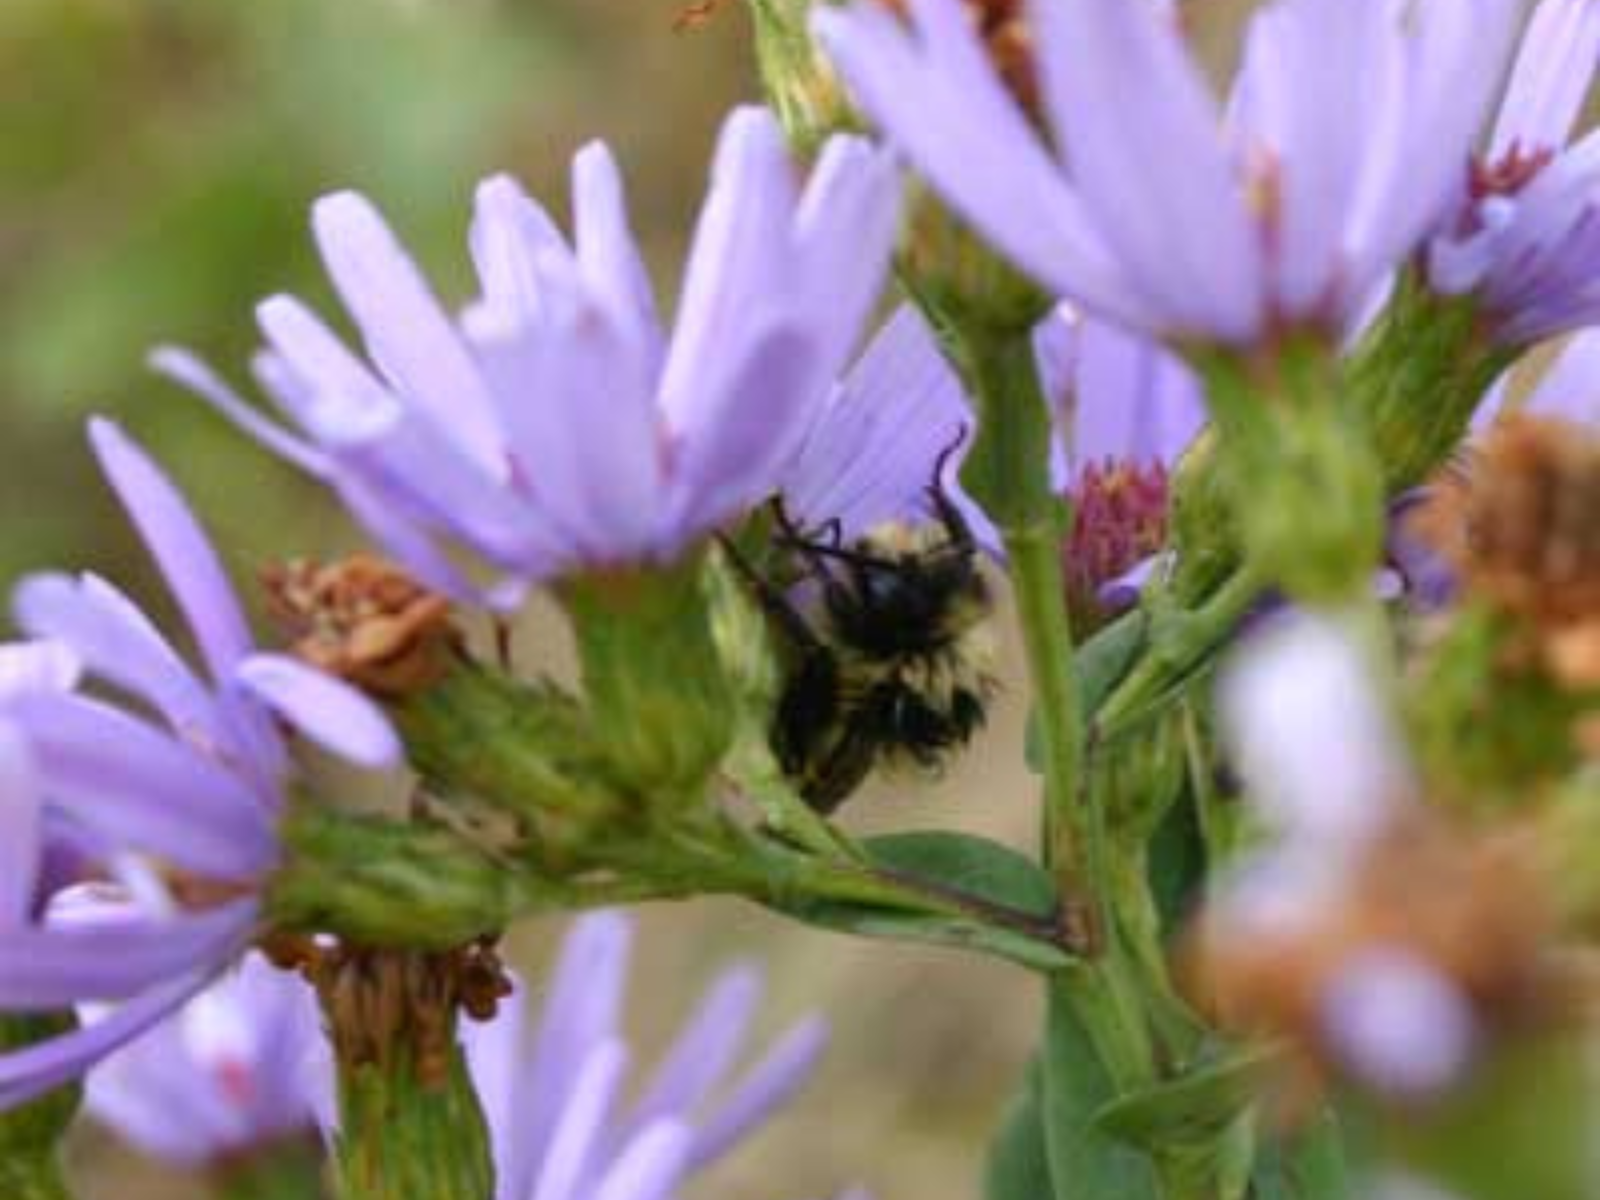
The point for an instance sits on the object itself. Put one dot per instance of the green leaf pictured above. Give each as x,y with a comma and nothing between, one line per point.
1310,1166
1018,1167
964,892
1086,1162
1200,1104
1177,864
1104,659
972,866
865,920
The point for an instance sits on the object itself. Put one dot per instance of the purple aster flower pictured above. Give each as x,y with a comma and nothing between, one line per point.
558,423
1126,410
185,788
553,1094
1526,239
232,1072
1349,129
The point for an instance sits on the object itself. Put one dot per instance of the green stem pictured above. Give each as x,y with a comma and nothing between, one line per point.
1180,646
406,1138
1418,378
1008,472
1034,553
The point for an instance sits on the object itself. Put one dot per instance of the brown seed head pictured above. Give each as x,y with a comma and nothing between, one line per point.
380,1001
366,621
1470,907
1521,527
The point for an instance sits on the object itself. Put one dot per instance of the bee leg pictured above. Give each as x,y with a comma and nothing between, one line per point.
790,534
832,777
854,558
773,603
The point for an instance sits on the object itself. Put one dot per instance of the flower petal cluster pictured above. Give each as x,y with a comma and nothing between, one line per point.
1125,411
1349,128
553,1092
558,424
1526,240
179,794
232,1072
1118,398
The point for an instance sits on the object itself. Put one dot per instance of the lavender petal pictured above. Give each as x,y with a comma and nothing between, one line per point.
29,1073
769,1084
123,780
175,540
331,713
42,969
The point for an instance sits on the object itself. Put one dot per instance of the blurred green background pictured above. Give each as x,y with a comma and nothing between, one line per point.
157,158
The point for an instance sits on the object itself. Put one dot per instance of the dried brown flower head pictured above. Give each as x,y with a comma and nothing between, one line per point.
1521,528
363,619
1468,907
380,1001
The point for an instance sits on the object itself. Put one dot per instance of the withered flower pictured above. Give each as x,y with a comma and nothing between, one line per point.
364,620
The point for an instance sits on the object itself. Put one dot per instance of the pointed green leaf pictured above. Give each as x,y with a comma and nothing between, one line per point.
1197,1105
1086,1163
1018,1166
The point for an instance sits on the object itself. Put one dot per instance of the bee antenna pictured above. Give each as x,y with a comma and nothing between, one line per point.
949,452
943,506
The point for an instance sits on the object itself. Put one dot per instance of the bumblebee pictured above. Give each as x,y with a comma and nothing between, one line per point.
893,667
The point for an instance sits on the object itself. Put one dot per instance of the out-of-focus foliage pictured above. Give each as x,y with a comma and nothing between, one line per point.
157,158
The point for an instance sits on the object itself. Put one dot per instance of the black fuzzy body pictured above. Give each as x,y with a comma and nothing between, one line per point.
891,668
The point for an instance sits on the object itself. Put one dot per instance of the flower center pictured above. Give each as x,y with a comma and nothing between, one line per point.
1119,520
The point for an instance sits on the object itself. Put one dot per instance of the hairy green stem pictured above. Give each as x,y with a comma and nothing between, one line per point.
1180,646
1008,473
404,1137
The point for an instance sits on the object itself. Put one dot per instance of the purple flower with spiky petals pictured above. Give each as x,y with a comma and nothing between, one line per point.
553,1094
1125,410
188,786
1350,127
234,1071
1526,239
558,424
